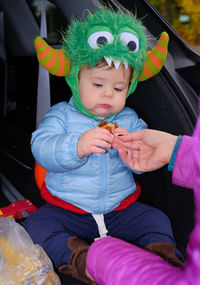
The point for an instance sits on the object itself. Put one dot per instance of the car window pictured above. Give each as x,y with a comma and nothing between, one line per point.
56,21
183,16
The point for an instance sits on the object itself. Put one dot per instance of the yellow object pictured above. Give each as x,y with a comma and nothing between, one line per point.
21,266
22,262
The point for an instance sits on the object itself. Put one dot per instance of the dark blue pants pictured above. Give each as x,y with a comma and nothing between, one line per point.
140,224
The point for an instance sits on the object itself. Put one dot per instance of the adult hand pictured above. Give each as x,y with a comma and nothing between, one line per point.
93,140
145,150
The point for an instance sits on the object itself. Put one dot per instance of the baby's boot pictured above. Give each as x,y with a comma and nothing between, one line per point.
77,264
166,251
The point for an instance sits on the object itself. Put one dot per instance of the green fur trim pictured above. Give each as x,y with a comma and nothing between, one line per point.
80,53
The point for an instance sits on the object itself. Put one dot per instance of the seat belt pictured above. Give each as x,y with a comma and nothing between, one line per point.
43,90
3,99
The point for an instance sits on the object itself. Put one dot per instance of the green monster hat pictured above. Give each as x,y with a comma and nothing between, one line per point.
117,37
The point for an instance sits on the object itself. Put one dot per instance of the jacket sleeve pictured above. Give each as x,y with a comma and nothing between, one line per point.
114,261
185,171
52,146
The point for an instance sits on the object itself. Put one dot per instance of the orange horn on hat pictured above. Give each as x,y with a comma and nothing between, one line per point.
155,58
54,60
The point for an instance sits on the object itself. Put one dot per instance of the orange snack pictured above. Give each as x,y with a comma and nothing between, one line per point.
106,125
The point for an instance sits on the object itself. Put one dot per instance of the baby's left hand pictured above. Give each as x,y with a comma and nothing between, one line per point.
93,141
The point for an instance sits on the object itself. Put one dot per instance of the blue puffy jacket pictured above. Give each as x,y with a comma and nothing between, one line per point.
95,183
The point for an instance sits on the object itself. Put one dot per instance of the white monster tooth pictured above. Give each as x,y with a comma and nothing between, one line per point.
108,60
117,63
125,64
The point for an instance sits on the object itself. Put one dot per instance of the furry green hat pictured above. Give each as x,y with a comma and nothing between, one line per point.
114,36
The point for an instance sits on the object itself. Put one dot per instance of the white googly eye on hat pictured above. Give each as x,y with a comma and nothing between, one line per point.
130,40
100,38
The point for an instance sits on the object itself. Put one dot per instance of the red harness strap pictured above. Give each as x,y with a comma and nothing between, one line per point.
46,195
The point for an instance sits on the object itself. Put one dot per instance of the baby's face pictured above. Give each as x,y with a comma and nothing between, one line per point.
103,90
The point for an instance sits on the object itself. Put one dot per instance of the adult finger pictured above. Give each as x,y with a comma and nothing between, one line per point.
133,136
131,145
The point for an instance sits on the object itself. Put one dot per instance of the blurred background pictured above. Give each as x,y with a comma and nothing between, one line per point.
183,16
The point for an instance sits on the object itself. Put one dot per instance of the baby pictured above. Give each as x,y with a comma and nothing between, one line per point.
90,191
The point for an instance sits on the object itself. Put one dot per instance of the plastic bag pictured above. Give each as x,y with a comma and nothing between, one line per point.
21,261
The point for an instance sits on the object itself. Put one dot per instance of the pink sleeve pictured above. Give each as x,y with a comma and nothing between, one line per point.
184,171
114,261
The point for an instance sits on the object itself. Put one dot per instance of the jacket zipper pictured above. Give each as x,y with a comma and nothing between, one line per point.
104,183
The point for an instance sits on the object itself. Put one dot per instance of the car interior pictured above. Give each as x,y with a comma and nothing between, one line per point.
167,102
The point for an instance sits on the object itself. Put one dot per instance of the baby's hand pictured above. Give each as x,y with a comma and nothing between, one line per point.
92,141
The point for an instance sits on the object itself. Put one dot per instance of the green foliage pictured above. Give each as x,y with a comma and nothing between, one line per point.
173,9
